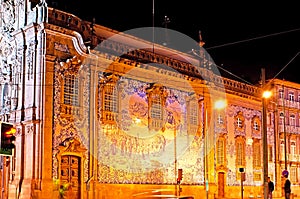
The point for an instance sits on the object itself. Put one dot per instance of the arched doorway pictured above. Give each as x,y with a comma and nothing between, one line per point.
71,157
70,173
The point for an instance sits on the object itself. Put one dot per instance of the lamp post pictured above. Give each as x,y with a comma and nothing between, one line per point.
265,96
284,131
205,153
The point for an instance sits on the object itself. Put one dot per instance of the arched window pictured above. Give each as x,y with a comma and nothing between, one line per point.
292,120
256,125
240,152
281,92
256,154
239,121
71,86
193,115
221,148
240,161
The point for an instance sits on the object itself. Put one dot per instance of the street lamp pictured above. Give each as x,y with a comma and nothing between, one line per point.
265,95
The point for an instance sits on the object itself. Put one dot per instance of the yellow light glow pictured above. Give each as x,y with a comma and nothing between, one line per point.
137,120
220,104
267,94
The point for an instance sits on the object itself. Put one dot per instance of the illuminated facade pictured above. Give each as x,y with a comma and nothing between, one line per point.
104,117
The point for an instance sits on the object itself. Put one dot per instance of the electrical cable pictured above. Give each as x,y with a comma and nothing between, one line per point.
251,39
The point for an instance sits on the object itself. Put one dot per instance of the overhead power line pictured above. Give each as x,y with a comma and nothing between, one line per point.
251,39
286,65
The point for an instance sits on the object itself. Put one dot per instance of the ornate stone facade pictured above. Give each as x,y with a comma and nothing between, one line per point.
99,115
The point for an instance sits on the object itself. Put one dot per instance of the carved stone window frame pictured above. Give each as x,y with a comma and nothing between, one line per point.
240,146
256,147
193,115
256,125
108,82
156,90
239,121
71,67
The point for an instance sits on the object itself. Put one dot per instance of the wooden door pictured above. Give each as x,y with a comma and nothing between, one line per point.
221,184
70,174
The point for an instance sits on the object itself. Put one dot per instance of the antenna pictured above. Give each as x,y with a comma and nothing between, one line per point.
153,25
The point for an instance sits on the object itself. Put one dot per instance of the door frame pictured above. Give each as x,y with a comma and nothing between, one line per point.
72,147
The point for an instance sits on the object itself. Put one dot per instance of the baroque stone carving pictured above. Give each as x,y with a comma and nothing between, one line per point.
7,62
7,19
71,145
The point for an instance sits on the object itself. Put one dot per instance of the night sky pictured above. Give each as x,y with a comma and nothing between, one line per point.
241,38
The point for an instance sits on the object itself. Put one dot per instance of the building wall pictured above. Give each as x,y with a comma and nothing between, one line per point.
72,138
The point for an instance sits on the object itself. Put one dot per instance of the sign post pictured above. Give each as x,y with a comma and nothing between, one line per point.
243,178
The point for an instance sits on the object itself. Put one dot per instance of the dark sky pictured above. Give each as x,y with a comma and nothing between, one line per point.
240,37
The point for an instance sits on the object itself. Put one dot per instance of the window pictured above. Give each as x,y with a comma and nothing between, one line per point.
269,118
281,118
220,119
71,90
256,126
221,151
292,120
193,117
270,154
282,149
256,154
291,96
110,98
193,113
157,98
109,103
281,96
293,149
239,121
156,112
240,152
293,174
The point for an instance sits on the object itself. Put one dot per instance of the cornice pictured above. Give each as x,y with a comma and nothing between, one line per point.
66,23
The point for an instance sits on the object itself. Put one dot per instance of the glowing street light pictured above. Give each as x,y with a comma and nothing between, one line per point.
265,95
220,104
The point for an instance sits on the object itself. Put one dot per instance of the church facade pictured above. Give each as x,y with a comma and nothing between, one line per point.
103,114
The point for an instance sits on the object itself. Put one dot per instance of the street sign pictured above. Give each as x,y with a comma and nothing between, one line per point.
285,172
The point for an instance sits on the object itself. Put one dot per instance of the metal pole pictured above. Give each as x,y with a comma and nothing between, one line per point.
284,131
264,139
175,158
205,153
242,188
276,152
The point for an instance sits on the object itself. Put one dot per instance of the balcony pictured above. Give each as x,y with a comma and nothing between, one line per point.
289,129
293,157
